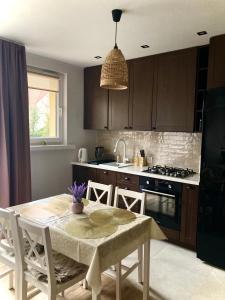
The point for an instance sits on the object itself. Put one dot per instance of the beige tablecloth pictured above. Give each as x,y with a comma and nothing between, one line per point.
98,254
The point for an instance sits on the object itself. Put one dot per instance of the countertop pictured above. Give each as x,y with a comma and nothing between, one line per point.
139,171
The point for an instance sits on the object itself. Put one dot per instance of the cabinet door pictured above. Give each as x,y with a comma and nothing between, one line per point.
106,177
189,214
83,174
141,97
174,91
216,70
95,100
119,108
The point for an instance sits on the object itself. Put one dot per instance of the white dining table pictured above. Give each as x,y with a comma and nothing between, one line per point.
98,253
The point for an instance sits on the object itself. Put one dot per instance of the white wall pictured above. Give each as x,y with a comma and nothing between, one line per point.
51,172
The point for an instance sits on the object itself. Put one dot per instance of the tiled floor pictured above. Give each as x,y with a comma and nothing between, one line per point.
176,274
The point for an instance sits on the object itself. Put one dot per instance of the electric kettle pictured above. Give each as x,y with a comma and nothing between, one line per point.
82,155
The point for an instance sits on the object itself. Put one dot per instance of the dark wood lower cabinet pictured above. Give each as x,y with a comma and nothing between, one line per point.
189,215
83,174
106,177
172,235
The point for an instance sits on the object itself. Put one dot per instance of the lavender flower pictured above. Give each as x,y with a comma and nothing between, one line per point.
77,191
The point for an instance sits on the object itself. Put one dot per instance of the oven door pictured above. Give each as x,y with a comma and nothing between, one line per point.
164,208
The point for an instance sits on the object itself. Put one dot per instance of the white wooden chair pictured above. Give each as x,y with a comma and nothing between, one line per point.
129,199
39,268
7,250
100,190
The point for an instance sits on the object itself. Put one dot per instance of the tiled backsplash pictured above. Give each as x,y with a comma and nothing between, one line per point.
166,148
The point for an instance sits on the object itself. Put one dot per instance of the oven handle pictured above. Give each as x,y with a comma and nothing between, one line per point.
157,193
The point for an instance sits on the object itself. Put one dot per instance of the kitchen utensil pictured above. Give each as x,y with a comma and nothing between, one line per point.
99,152
142,153
82,155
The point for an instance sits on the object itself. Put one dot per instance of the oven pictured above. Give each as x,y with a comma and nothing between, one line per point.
163,201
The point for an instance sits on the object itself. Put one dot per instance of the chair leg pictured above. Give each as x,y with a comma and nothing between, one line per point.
118,281
63,293
22,289
85,284
11,280
51,294
140,260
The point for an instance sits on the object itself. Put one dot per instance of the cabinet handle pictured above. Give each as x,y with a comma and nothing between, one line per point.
126,127
106,127
105,172
154,128
189,187
130,127
126,178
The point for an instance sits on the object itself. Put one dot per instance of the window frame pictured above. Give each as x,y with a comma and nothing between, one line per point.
59,140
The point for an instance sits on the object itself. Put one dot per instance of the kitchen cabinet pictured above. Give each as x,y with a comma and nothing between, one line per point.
119,107
106,177
160,96
189,213
83,174
95,100
127,181
216,70
141,96
132,108
174,91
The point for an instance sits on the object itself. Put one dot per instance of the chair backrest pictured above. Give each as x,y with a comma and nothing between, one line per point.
6,237
35,233
100,190
130,199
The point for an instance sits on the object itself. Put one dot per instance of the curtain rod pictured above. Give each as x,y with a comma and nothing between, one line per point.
12,41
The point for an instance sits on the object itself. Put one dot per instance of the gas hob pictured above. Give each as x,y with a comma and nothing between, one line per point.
170,171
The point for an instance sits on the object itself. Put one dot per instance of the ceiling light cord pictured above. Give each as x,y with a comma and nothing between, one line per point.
116,47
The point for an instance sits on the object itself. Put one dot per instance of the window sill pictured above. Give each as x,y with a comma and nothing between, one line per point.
51,147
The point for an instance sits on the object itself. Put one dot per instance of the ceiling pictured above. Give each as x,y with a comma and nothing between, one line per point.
75,31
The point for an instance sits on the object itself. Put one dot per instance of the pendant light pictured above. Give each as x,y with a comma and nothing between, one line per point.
114,74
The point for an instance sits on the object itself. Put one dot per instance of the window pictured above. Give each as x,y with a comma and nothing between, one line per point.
45,107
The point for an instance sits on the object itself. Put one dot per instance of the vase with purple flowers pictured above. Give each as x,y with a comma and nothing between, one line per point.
78,191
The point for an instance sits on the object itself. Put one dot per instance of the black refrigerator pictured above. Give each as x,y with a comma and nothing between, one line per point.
211,212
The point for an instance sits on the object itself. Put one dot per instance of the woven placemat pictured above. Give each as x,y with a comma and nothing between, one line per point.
115,216
83,228
43,211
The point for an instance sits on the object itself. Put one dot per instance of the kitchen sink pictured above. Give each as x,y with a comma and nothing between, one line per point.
116,164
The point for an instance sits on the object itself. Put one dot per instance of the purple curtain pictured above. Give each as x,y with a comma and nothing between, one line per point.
15,182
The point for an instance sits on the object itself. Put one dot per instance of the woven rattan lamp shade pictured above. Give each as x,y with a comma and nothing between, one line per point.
114,75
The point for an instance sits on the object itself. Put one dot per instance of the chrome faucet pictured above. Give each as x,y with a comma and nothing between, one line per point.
125,159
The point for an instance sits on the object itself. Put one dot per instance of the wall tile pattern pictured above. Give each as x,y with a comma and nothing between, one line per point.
166,148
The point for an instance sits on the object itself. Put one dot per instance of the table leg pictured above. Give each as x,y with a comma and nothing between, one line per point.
118,282
95,296
140,266
146,270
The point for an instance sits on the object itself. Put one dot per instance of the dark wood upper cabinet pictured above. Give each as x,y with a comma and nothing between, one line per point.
141,96
95,100
119,108
189,214
216,69
174,91
132,108
160,96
